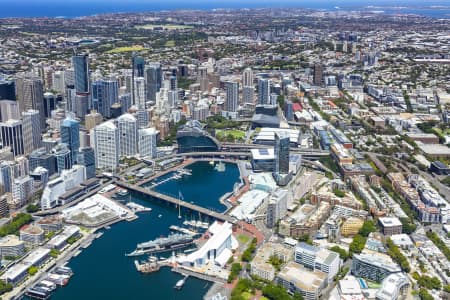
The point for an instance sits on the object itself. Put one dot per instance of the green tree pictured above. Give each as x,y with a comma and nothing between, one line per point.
32,270
367,228
32,208
342,253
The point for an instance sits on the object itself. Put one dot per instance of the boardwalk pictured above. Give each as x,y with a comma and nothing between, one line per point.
169,199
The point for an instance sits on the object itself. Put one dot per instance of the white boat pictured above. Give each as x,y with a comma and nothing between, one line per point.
160,216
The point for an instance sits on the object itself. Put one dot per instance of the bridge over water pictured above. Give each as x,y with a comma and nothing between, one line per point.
186,205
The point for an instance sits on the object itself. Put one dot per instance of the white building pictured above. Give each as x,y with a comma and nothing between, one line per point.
31,124
22,190
74,176
147,142
216,250
52,191
105,141
277,207
128,134
318,259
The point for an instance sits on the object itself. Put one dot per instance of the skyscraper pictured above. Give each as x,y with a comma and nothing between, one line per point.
232,96
202,79
80,63
49,104
128,134
282,144
9,110
105,139
81,105
31,130
41,158
318,74
139,92
7,90
11,134
153,81
263,91
147,142
138,64
70,135
86,158
104,94
63,157
247,77
30,95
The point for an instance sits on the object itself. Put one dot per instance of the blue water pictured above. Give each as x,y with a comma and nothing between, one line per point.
197,187
74,8
102,271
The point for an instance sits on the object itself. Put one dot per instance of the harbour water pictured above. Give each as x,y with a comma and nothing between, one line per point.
103,272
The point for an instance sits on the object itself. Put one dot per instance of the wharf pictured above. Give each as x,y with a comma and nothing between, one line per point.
186,272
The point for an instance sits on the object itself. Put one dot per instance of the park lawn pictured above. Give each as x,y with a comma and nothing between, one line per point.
125,49
243,239
237,134
170,43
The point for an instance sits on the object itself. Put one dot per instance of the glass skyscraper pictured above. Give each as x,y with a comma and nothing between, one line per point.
70,135
81,70
282,143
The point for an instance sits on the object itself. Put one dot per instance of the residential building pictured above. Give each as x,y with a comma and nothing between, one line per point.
390,225
128,135
375,267
147,142
106,144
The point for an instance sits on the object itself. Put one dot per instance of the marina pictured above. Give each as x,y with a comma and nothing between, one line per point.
137,207
120,280
178,174
43,289
183,230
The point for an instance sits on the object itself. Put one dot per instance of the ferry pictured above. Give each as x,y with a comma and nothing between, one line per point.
37,292
181,282
122,192
163,244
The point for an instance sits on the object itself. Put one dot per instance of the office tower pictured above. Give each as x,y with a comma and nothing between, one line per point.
104,94
282,144
70,135
80,66
105,139
263,91
9,110
142,118
139,92
59,83
31,130
70,99
232,96
22,190
138,64
63,157
69,78
289,110
127,125
21,167
318,74
86,158
147,142
6,176
11,134
173,83
183,70
172,97
7,90
125,101
49,104
247,77
202,79
93,119
153,81
4,209
81,105
40,176
277,207
30,95
248,93
42,158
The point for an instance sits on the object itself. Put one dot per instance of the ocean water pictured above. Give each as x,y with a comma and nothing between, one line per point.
102,271
75,8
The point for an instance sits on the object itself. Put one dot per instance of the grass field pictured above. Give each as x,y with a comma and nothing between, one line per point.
237,134
170,43
164,27
243,239
125,49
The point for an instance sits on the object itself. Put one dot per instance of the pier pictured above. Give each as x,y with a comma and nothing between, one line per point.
186,272
186,205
